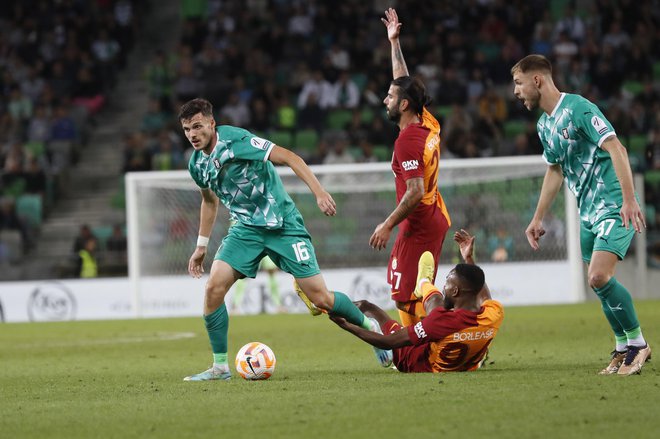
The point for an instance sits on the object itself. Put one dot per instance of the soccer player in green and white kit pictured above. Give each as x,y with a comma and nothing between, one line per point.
581,147
232,165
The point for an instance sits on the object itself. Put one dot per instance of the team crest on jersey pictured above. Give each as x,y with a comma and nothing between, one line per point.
598,124
217,164
564,133
259,143
394,263
409,165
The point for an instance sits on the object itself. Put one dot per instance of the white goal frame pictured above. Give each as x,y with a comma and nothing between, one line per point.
575,285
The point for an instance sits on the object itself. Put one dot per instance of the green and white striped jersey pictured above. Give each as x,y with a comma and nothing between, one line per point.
571,136
239,173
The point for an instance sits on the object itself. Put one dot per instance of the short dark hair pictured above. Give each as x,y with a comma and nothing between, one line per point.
471,275
192,107
532,63
414,91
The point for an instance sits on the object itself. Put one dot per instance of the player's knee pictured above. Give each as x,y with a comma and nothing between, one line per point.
216,290
598,279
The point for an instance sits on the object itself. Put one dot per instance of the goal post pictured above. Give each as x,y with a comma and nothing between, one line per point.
494,198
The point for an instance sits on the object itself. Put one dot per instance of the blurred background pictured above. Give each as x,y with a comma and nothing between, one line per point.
89,90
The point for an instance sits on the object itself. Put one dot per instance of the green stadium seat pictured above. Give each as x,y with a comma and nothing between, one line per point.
656,71
281,138
637,144
442,111
367,115
306,140
102,233
514,127
652,178
339,119
30,208
633,87
382,153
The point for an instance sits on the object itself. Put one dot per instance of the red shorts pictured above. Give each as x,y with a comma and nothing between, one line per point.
402,268
407,358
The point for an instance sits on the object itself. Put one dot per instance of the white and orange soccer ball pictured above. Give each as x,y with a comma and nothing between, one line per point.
255,361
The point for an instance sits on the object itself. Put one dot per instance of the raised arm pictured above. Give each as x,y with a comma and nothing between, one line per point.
393,26
465,243
282,156
551,185
631,212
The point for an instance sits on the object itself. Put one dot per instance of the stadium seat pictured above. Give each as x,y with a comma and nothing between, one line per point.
633,87
367,115
443,111
514,127
338,119
281,138
637,144
102,233
306,140
652,178
29,207
656,71
382,153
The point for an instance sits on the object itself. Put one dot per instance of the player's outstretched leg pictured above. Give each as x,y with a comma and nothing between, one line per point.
425,270
313,310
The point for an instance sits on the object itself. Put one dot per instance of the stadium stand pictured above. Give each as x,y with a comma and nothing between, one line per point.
462,50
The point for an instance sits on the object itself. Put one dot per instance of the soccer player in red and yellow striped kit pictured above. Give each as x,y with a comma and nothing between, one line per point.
461,324
420,214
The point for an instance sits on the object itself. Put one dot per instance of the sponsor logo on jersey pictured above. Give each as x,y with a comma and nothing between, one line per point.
477,335
599,124
564,132
217,164
433,142
419,330
259,143
409,165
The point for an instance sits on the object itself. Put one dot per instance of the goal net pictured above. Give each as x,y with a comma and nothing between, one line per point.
493,199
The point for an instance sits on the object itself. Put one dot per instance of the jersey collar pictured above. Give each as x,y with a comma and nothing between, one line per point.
561,98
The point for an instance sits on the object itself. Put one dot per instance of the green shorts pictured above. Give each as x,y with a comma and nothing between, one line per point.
608,234
290,248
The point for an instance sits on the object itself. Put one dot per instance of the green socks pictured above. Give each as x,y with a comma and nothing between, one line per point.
217,326
343,307
620,312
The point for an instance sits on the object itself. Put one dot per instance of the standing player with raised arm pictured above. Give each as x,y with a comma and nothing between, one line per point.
232,165
581,148
421,213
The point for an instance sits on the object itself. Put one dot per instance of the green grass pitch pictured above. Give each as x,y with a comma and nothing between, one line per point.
123,379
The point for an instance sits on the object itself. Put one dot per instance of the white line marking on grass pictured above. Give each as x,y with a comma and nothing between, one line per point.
158,336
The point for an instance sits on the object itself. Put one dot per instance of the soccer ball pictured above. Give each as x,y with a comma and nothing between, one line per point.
255,361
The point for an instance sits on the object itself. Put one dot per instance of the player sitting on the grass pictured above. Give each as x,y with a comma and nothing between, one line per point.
461,321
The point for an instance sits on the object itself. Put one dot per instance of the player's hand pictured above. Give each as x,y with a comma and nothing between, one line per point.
631,213
392,24
534,232
340,321
195,267
326,204
465,243
380,236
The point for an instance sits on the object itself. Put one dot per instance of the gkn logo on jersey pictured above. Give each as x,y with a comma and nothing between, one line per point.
419,330
409,165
